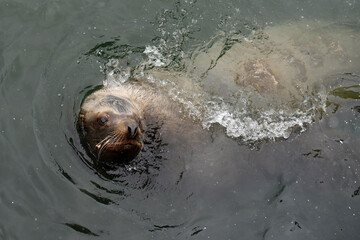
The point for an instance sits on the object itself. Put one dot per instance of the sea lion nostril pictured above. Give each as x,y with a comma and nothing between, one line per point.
132,128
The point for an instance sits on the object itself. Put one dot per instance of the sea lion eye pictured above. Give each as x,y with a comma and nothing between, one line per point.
102,120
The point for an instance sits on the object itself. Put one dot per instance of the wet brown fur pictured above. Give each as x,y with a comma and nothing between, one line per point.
120,106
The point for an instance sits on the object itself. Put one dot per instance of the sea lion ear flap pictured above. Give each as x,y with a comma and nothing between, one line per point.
81,123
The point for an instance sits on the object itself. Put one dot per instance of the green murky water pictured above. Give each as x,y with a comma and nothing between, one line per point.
227,183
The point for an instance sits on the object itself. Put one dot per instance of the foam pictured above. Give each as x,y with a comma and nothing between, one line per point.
247,122
155,57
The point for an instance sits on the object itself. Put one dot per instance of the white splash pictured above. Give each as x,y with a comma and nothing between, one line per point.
116,75
268,125
248,123
155,57
251,124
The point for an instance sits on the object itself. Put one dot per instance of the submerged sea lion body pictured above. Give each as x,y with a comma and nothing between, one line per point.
282,61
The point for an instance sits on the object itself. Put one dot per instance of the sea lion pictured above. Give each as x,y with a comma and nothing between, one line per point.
276,71
112,120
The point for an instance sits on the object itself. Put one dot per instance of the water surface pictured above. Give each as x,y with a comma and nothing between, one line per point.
220,186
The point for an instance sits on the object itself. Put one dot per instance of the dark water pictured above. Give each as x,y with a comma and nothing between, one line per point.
53,52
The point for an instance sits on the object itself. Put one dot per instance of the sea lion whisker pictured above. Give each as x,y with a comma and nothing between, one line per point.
118,138
103,143
103,147
112,135
113,138
99,145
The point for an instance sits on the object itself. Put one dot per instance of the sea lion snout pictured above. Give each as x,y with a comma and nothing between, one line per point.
132,128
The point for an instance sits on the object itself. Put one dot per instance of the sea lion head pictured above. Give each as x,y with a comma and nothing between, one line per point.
111,126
